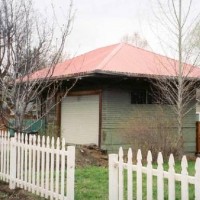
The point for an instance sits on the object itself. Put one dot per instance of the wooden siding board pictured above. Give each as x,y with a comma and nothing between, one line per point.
118,114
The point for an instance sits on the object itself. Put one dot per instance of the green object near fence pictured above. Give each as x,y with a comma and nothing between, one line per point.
33,126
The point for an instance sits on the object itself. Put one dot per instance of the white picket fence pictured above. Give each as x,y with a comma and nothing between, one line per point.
137,172
38,164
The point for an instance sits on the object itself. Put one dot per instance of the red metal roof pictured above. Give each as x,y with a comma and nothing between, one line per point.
119,59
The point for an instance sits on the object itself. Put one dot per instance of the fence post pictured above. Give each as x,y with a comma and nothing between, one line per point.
184,178
113,177
197,179
70,172
13,164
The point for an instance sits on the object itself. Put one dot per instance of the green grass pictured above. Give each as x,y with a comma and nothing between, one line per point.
92,183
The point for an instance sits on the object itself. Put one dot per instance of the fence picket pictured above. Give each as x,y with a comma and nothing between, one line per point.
1,153
63,168
22,160
42,165
70,172
113,177
18,156
139,175
4,157
38,166
197,179
47,168
32,161
184,179
171,178
7,157
149,176
160,178
5,162
52,167
57,165
26,155
30,139
12,183
130,175
121,176
116,189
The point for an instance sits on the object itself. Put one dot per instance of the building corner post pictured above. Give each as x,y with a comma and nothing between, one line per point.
198,138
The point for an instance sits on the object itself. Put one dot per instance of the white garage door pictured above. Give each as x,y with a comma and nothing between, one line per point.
80,119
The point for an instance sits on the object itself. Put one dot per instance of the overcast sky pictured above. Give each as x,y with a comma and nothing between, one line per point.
103,22
100,23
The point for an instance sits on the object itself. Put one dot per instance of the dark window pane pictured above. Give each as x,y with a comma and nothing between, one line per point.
138,97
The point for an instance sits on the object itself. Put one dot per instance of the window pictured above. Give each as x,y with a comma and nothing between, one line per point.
142,96
138,97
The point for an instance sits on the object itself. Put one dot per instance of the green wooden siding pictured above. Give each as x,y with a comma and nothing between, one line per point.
120,117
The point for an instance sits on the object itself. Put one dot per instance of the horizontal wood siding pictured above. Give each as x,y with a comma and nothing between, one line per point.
119,118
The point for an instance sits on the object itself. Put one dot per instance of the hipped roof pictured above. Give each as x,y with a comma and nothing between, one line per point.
119,59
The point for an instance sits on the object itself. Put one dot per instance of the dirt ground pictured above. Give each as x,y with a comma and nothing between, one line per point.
6,193
85,156
90,155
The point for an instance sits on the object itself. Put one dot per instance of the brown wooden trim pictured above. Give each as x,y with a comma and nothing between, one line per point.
197,138
100,118
80,93
86,92
58,114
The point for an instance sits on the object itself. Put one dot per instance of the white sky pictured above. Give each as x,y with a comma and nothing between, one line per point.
103,22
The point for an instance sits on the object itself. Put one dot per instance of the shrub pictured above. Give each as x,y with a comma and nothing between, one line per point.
156,133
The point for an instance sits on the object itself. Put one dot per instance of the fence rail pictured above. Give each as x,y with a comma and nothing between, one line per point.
116,178
38,164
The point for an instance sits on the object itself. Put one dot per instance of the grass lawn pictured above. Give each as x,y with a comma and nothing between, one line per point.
92,183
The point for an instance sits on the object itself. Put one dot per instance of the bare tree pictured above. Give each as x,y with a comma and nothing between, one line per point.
177,83
194,37
27,43
135,39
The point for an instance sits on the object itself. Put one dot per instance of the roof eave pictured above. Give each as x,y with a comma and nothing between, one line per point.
111,73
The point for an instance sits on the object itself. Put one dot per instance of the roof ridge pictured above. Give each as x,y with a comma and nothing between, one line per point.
109,56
